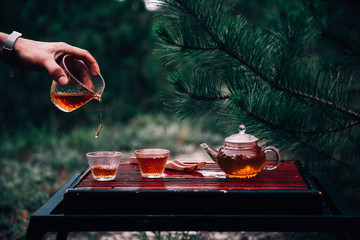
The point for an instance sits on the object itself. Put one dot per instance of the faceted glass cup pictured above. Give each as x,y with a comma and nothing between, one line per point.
152,161
84,84
104,164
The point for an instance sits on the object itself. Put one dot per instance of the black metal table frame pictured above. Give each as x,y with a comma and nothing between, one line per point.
339,217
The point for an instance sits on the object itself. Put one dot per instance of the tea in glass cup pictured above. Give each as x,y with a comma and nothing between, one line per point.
104,164
84,85
152,161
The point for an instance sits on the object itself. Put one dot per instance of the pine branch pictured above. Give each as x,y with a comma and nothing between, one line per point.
239,73
164,35
321,100
174,80
239,99
220,45
288,86
229,51
301,130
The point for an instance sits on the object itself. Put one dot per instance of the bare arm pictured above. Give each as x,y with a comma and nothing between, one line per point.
42,56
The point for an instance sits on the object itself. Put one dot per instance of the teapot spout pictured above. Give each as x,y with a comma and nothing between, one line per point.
212,152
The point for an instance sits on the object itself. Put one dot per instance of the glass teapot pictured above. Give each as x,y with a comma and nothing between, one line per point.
241,157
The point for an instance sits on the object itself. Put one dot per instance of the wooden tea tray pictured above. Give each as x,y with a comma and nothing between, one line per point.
285,190
183,202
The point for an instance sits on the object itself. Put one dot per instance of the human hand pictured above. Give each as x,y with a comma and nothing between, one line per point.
37,55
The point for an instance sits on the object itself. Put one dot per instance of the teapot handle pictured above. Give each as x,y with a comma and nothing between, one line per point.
278,157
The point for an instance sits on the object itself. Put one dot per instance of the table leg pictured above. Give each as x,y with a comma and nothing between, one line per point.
41,221
33,233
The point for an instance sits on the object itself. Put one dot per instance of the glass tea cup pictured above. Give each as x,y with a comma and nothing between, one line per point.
152,161
104,164
84,85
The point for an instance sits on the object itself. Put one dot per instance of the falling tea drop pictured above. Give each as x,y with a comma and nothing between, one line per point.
98,131
101,119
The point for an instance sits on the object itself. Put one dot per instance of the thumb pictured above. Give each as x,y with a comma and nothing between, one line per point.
57,73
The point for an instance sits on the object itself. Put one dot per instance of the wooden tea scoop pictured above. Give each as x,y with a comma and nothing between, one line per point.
185,167
177,165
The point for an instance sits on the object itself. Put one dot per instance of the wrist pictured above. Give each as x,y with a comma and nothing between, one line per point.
8,51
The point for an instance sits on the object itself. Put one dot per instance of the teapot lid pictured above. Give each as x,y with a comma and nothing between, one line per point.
241,137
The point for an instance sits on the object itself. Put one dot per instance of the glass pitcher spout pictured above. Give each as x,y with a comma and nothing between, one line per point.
209,150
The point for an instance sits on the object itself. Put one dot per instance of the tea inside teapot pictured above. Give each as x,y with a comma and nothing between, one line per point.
241,157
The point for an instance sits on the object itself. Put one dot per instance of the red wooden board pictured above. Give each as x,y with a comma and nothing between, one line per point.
286,176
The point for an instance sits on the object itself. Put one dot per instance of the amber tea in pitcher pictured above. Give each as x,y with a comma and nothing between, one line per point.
70,102
82,87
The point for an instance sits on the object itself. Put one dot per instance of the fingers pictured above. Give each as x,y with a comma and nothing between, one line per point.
59,50
62,80
83,55
91,63
80,72
56,72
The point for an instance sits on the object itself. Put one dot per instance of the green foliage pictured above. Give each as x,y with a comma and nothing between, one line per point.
24,187
277,78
